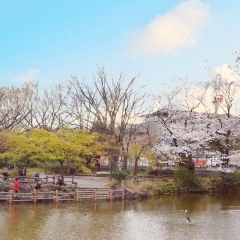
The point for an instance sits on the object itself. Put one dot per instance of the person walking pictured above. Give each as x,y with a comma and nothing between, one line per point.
38,186
16,185
23,174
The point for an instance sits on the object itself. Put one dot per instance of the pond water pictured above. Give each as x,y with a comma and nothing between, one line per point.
163,218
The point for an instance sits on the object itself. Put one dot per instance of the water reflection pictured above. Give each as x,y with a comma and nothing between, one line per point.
163,218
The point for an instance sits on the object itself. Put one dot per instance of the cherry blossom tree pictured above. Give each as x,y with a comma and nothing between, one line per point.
183,130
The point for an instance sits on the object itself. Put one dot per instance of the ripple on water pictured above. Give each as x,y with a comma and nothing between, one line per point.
160,219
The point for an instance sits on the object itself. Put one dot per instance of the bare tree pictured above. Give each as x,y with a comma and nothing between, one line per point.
13,102
48,107
226,90
225,93
110,104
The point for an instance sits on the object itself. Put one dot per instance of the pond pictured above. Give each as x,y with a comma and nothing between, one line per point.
163,218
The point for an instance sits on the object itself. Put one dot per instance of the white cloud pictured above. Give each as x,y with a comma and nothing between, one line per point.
226,72
172,31
30,75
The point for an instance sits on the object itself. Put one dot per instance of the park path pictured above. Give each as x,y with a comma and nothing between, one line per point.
91,181
85,181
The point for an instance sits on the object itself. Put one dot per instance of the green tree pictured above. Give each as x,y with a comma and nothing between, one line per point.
185,178
20,148
65,146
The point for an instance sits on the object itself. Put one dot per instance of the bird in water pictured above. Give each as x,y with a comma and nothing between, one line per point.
186,211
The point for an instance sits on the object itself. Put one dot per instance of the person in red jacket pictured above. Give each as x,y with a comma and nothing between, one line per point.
16,186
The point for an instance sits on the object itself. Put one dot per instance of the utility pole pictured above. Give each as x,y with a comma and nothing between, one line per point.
217,98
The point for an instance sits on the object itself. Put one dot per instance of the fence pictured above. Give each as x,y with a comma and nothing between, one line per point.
137,179
100,193
79,195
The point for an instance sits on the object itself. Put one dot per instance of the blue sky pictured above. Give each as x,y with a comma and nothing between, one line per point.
49,40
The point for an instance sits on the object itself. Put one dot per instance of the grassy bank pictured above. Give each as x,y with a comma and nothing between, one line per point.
184,181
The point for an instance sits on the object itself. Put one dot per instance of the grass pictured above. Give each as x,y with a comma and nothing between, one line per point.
136,187
113,183
30,172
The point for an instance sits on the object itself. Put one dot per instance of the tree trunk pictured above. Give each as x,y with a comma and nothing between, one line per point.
68,167
135,171
191,165
125,163
98,166
110,167
61,171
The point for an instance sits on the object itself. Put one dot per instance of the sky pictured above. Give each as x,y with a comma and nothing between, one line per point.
50,40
